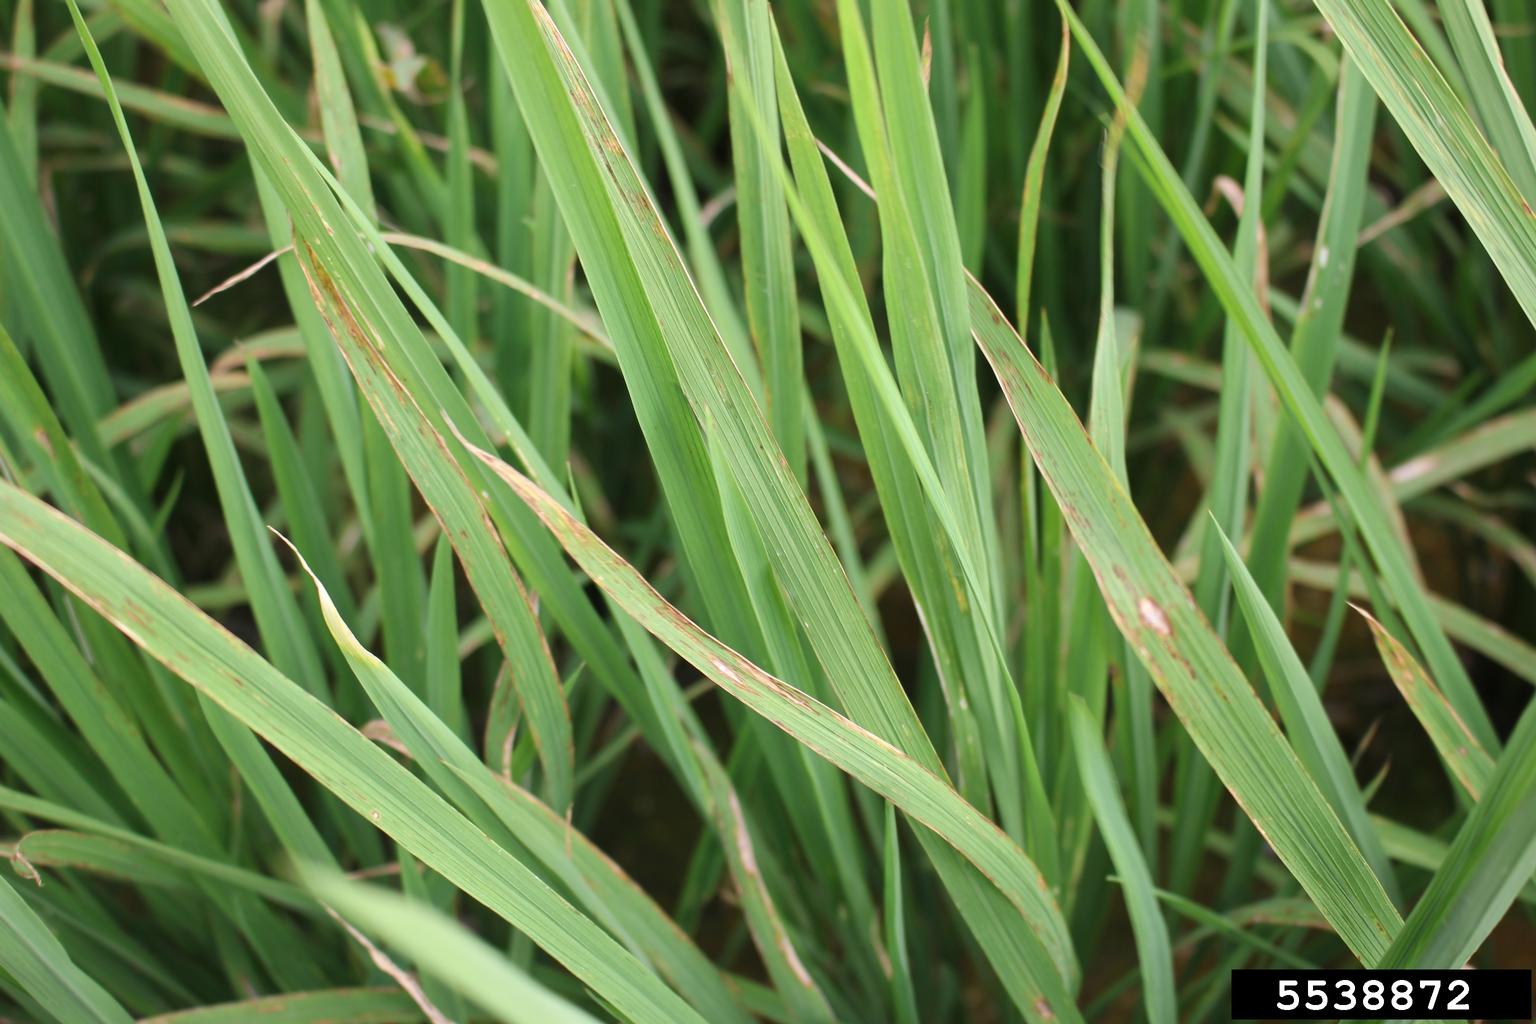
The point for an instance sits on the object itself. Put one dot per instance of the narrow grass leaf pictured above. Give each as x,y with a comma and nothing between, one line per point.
1098,776
340,758
1034,181
857,751
592,879
1157,615
328,1006
442,947
768,269
648,292
272,602
1237,298
32,955
376,337
799,990
1306,720
1490,861
1458,748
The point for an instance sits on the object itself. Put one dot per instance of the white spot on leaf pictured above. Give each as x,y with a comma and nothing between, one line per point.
1414,468
743,838
726,671
1152,617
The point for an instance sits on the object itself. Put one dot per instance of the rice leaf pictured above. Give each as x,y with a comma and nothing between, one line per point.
1098,777
865,756
1468,761
439,945
339,757
1157,615
1237,298
31,954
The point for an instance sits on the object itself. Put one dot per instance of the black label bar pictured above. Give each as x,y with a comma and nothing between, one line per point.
1381,995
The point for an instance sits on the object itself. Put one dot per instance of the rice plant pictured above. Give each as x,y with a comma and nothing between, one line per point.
719,511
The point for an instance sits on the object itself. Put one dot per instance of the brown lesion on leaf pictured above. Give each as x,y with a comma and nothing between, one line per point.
20,864
135,613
